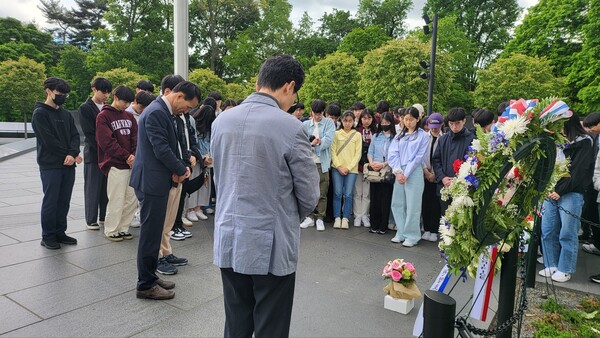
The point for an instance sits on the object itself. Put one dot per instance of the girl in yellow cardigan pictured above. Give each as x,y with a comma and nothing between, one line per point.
345,153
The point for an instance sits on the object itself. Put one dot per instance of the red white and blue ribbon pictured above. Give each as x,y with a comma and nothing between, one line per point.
555,111
482,290
439,284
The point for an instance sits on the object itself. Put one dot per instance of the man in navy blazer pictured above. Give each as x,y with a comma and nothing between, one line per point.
158,166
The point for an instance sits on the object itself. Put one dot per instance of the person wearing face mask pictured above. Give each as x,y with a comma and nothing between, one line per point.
431,208
57,143
116,135
94,181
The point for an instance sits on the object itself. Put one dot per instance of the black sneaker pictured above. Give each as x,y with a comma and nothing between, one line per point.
165,267
126,235
93,226
186,233
174,260
50,244
595,279
177,235
64,239
382,232
373,231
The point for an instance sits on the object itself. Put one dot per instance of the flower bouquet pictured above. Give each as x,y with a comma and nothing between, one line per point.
402,289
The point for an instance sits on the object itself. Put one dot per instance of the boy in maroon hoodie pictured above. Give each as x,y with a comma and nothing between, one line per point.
116,135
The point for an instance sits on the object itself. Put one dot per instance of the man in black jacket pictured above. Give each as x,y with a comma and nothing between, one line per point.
57,143
452,146
94,184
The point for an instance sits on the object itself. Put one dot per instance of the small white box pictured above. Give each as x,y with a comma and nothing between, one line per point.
399,305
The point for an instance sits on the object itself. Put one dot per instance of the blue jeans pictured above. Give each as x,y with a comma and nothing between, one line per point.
406,206
57,185
559,232
342,186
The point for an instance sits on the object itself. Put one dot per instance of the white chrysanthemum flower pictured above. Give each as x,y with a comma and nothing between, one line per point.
465,170
476,145
447,234
464,201
514,126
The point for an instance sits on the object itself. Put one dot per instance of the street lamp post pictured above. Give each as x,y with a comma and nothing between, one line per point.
432,64
180,23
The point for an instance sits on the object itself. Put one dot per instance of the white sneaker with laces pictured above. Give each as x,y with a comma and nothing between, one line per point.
433,237
344,223
357,221
409,244
192,216
210,211
135,222
540,259
308,222
366,221
548,272
320,225
201,215
186,221
337,223
561,277
426,235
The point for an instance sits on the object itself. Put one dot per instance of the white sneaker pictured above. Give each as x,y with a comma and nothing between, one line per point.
426,235
540,259
135,222
186,221
392,226
366,221
338,223
308,222
357,221
561,277
210,211
200,215
397,240
192,216
433,237
548,272
409,244
344,223
320,225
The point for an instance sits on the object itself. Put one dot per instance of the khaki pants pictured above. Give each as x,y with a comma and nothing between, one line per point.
362,198
172,205
323,187
122,202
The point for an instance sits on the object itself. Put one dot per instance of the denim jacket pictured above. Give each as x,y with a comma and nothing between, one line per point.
379,147
326,133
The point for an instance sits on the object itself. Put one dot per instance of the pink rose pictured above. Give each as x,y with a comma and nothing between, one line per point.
396,265
410,267
396,276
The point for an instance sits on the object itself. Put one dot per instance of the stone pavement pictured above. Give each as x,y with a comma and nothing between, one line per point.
89,289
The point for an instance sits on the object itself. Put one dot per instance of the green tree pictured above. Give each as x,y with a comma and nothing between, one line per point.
21,85
518,76
389,14
86,18
309,46
130,18
335,78
237,91
552,29
58,15
391,73
361,40
267,37
207,80
485,22
215,22
72,67
121,76
335,25
18,40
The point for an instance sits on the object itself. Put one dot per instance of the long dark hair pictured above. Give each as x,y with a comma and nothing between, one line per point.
373,126
205,116
573,128
390,118
414,112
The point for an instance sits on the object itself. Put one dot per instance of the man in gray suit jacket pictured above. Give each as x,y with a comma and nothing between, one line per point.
157,168
266,183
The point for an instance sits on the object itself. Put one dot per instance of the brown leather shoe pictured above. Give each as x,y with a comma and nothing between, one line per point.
155,292
165,284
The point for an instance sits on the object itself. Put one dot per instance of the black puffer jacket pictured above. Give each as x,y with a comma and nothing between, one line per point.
450,147
581,168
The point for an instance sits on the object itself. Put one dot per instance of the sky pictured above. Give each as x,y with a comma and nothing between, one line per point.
27,11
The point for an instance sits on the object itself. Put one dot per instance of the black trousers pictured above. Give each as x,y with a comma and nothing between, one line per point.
57,185
153,210
259,304
590,211
381,203
431,210
187,187
94,193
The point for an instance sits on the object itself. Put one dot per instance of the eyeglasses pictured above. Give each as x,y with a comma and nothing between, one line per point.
59,93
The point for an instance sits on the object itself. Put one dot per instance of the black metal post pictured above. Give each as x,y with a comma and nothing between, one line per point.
534,243
25,125
432,64
508,285
439,311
